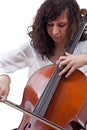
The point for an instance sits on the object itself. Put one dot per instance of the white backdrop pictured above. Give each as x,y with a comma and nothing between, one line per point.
15,17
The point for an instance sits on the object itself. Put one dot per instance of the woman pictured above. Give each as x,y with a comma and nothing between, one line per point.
53,27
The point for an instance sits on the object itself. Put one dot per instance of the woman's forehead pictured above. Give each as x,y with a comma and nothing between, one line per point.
63,16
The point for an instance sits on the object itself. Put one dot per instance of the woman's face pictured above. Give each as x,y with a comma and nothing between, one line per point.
57,29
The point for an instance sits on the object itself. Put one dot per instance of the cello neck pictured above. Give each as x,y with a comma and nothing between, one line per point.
72,44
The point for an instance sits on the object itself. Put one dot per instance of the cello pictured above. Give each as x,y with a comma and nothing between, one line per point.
52,99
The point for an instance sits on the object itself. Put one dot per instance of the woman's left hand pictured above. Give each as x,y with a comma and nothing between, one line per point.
71,63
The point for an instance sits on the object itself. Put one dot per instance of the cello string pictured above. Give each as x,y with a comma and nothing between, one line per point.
47,94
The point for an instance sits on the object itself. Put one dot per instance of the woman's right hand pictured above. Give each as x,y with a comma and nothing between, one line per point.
4,87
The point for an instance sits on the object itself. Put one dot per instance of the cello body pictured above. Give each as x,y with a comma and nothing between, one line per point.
65,104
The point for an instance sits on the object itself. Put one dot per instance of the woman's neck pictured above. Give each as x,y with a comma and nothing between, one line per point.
58,52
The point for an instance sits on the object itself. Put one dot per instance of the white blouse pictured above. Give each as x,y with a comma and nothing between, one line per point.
25,56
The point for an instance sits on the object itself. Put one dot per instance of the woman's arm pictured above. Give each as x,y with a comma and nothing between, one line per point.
9,63
14,60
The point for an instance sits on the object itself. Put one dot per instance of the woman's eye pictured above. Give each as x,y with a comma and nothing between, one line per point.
49,24
62,25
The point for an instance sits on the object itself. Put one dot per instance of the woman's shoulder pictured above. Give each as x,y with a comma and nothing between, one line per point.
83,42
81,47
26,47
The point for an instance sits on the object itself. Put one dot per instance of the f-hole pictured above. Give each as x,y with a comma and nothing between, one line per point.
28,125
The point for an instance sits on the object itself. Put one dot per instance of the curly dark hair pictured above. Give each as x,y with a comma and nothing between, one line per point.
48,11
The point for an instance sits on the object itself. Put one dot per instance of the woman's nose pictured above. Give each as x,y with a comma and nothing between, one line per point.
55,30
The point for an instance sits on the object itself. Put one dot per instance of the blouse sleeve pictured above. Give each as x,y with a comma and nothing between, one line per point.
16,59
